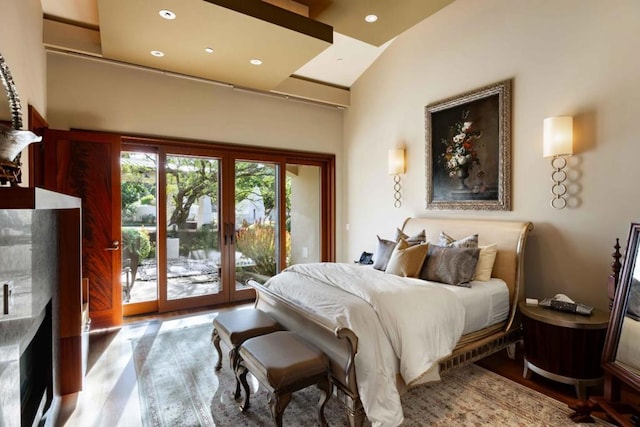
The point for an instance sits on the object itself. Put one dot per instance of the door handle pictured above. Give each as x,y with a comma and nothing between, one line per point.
115,246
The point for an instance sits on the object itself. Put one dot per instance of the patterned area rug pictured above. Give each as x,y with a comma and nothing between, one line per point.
179,387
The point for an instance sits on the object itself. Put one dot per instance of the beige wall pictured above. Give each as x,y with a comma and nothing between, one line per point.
89,94
570,57
21,46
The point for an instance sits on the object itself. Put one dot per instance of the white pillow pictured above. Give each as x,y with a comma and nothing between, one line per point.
485,262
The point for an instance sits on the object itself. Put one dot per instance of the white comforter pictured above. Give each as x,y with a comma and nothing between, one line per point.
403,325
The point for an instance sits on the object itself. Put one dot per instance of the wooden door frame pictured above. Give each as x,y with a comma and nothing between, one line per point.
56,168
186,147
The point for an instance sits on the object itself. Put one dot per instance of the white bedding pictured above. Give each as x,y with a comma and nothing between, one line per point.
485,303
403,325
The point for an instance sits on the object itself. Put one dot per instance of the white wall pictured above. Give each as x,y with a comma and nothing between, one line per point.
570,57
94,95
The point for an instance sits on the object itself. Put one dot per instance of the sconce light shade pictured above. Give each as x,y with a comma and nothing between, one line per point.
557,136
396,161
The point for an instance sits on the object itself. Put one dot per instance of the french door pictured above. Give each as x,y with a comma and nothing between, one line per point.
199,221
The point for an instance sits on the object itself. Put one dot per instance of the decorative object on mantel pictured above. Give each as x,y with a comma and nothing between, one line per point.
12,139
396,168
468,150
558,143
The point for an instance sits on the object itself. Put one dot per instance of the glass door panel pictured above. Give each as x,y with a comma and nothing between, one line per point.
139,177
257,229
303,216
193,247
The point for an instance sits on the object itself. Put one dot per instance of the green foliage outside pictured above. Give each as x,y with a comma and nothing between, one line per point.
188,180
136,245
148,199
258,242
138,186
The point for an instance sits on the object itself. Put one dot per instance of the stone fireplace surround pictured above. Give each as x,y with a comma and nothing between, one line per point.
30,260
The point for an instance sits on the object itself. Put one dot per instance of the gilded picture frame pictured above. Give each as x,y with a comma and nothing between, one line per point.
468,150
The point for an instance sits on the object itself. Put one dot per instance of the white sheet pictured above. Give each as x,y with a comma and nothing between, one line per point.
485,303
396,319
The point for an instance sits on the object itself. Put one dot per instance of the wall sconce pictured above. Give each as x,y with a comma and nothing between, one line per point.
396,168
558,143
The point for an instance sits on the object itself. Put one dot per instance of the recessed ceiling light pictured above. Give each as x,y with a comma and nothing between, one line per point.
157,53
371,18
208,49
256,62
167,14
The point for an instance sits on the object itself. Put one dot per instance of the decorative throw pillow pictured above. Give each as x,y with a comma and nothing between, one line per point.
383,253
485,262
467,242
406,260
421,237
453,266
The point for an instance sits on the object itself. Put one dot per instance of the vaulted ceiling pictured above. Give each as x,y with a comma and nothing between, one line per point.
253,44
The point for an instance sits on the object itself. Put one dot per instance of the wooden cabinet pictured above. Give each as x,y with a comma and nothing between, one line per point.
564,347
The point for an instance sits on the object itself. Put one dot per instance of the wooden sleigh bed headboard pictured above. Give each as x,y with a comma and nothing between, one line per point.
341,344
509,236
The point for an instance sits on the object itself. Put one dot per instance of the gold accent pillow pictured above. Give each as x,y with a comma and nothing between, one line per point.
485,262
406,260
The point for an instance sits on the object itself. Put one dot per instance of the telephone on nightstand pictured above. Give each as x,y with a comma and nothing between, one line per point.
561,302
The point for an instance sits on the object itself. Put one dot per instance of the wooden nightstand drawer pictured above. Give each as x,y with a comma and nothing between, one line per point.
564,347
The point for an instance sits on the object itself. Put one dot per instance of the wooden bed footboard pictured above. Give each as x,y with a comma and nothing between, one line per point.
340,344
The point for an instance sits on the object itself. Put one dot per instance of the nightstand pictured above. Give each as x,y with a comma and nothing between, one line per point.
564,347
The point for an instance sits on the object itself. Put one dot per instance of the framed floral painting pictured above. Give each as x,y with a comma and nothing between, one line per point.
468,150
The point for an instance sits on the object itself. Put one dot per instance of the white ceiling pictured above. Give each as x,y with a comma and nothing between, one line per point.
128,27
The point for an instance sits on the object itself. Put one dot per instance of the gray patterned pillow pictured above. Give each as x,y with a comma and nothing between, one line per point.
421,237
382,254
467,242
453,266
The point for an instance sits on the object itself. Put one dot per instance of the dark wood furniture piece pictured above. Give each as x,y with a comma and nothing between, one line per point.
234,328
340,344
284,363
564,347
621,400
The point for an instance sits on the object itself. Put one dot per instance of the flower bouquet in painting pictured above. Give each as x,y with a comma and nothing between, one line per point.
460,156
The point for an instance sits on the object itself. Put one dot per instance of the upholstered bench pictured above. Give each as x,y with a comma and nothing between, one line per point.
234,328
283,363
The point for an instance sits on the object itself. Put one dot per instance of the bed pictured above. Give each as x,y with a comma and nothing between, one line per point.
346,337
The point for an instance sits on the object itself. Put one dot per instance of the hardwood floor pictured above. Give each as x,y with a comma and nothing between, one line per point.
110,394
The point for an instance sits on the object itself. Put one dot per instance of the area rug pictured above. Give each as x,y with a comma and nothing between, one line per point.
178,386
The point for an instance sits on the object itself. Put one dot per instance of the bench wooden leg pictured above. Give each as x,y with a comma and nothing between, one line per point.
241,373
278,403
215,338
325,394
234,361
